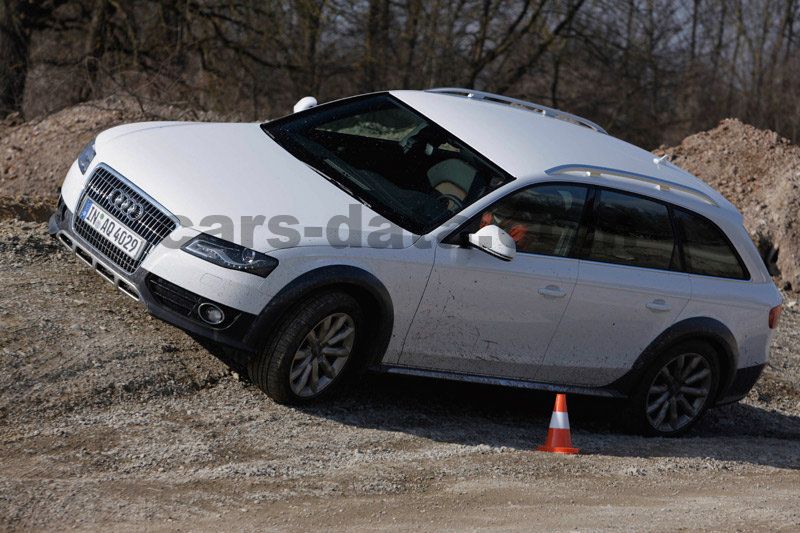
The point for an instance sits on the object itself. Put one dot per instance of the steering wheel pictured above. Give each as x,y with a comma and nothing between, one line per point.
411,144
453,202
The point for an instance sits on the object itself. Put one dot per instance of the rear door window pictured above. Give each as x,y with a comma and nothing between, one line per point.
634,231
706,250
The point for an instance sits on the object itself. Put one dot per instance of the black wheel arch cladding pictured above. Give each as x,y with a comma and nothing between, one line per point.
367,289
699,329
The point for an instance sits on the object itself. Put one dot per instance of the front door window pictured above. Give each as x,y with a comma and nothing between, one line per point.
541,220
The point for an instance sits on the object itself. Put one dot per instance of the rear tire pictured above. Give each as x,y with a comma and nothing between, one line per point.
313,350
676,390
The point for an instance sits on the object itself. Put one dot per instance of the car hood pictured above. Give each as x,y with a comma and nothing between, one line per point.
234,181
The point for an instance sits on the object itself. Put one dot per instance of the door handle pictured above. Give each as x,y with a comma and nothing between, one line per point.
552,291
658,305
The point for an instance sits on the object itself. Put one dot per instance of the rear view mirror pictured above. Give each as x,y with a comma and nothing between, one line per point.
307,102
494,241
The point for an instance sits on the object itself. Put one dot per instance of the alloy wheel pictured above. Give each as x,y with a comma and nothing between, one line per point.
678,392
322,355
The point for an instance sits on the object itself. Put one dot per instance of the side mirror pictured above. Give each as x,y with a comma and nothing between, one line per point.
307,102
494,241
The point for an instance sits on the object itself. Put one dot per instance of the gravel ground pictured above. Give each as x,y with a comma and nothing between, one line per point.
109,418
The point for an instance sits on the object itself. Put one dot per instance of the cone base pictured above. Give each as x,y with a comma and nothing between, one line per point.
558,449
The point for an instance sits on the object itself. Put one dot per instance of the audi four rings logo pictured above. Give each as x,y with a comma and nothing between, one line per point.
133,209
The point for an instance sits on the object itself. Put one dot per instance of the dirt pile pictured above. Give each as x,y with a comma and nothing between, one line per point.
25,208
759,172
35,155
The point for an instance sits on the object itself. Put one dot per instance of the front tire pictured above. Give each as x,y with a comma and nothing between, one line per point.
677,390
312,351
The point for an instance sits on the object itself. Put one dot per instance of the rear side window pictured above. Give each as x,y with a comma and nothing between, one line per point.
630,230
706,250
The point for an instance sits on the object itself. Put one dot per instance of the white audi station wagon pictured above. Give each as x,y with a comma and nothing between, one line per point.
446,233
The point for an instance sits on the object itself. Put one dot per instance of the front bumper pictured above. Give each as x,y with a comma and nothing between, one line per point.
163,299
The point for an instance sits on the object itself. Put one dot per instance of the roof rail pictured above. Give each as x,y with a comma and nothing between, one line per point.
500,99
664,185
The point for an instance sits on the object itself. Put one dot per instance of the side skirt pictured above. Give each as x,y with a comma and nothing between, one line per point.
504,382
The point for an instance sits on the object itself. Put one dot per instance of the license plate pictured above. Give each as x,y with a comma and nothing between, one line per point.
118,234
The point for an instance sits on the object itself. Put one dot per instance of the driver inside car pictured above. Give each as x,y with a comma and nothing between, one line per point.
518,231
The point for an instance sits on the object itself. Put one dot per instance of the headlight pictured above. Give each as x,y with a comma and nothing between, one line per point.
229,255
86,157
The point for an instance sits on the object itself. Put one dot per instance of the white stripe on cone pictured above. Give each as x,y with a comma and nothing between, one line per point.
559,420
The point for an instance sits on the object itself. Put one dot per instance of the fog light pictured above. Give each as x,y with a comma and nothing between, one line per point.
211,314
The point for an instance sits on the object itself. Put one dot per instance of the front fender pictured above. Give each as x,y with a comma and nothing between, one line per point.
363,285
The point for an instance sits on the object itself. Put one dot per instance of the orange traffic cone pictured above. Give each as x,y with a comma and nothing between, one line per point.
558,436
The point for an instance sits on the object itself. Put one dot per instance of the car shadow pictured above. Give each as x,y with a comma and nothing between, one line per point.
471,414
229,357
502,417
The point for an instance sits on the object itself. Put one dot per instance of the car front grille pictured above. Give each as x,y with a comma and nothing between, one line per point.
153,225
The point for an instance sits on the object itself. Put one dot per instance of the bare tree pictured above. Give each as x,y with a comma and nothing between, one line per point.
18,20
650,70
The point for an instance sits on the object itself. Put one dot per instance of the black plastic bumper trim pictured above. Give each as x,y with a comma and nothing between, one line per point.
744,380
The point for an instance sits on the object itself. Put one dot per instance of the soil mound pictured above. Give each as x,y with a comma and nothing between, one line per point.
25,208
35,155
759,172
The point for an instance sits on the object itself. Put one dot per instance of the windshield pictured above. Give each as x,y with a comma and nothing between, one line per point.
391,158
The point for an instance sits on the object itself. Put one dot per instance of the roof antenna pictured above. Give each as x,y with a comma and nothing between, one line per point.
663,159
